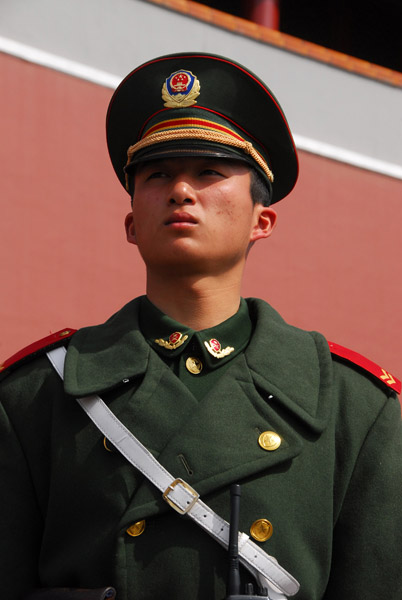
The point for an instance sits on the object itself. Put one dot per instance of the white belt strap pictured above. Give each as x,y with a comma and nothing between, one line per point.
181,496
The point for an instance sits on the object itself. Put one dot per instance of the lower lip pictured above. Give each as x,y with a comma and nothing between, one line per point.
180,224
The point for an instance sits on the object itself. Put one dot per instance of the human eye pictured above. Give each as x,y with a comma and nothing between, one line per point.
156,175
209,172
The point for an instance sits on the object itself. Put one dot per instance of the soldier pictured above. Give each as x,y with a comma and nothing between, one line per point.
215,388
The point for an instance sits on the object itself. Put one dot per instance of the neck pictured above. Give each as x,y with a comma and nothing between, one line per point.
197,302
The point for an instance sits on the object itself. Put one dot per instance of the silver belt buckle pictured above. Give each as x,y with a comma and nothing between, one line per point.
181,511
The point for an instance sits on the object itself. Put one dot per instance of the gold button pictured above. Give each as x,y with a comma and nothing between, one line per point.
261,530
194,365
136,529
65,332
269,440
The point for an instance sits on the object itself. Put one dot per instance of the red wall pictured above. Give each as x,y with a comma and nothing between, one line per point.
331,265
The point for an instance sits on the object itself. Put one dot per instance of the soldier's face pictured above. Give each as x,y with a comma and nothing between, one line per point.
195,214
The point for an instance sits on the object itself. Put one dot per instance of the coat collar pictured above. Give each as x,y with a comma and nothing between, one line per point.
233,335
291,364
99,358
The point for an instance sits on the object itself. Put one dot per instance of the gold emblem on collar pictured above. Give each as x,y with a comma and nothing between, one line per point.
214,347
175,340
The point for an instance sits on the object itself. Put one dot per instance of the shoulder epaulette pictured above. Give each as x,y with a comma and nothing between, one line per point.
366,364
38,347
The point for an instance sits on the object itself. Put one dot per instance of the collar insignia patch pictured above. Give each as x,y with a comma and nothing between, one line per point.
214,347
180,90
175,340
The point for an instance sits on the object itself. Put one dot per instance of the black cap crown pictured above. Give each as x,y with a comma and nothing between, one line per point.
194,103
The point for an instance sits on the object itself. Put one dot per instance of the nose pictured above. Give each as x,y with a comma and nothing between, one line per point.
182,192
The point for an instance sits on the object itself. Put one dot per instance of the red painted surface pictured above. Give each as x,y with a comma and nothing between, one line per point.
263,12
333,264
64,254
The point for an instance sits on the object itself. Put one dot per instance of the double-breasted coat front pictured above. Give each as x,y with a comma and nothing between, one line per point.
331,490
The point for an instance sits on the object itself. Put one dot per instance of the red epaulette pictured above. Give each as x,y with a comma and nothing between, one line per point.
366,364
47,342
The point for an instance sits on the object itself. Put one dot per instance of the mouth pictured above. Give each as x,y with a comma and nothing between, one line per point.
181,218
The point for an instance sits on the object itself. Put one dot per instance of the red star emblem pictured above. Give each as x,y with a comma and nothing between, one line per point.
215,344
175,337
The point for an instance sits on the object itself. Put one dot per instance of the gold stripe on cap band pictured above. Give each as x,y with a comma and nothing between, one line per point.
190,123
198,134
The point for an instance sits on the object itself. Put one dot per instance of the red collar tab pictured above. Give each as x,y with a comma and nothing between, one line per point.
50,340
366,364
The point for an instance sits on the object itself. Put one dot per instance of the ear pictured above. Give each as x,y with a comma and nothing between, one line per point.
265,221
130,230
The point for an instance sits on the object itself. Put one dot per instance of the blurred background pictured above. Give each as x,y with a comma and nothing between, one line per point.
333,264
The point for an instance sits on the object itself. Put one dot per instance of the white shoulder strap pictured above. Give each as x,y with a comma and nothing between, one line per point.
181,496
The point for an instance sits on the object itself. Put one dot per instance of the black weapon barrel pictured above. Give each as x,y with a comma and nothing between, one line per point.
233,583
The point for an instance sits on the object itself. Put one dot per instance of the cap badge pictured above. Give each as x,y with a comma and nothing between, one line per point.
214,347
180,90
175,340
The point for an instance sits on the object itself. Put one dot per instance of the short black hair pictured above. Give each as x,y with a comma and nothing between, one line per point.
260,188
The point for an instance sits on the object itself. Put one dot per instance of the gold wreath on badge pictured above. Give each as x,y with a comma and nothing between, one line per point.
180,90
175,340
214,347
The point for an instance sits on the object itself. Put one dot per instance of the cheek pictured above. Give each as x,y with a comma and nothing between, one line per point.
140,226
141,211
226,203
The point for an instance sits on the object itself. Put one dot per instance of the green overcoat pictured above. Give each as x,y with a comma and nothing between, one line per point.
332,490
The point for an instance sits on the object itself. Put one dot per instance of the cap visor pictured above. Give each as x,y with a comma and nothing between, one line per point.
187,149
